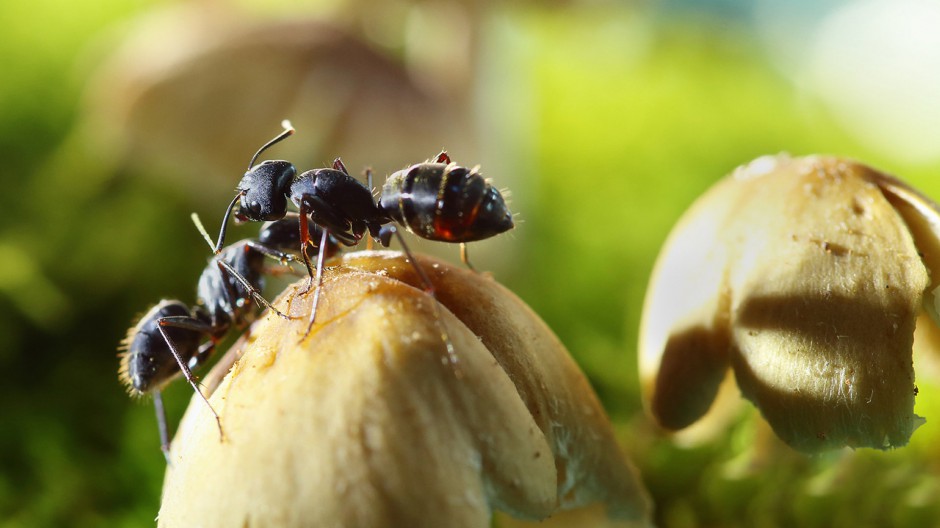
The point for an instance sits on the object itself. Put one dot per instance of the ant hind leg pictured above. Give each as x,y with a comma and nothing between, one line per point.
387,232
161,426
464,258
192,324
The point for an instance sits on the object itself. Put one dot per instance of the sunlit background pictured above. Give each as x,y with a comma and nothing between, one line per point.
605,120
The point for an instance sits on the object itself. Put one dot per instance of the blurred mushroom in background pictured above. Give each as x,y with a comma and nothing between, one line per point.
185,94
201,86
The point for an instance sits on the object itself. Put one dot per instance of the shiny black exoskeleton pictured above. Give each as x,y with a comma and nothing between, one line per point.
337,202
440,200
330,197
147,363
172,339
436,200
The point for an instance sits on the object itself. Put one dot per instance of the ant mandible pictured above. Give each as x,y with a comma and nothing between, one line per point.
173,339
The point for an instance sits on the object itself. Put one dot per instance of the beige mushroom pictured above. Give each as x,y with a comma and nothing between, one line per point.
805,277
367,422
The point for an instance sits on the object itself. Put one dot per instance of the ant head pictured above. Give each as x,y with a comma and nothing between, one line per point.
264,191
264,186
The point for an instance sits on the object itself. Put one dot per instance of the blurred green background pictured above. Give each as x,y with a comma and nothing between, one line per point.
606,120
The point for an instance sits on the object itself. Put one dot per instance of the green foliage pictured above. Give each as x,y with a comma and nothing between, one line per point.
627,119
635,119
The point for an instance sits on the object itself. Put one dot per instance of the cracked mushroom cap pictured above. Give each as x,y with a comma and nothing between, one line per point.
805,277
366,422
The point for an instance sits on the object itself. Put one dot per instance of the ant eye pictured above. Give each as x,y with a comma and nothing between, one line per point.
250,210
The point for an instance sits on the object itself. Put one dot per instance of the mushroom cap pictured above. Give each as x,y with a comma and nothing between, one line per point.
803,276
367,422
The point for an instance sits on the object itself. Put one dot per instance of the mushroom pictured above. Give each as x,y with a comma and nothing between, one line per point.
804,277
368,422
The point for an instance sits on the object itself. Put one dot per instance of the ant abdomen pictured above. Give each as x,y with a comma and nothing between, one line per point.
445,202
147,363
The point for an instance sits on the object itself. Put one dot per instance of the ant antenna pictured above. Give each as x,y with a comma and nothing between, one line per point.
217,248
288,131
202,230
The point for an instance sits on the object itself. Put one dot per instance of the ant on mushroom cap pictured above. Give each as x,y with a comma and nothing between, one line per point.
173,339
436,200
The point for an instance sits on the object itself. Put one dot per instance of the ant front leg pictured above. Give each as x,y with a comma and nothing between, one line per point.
304,244
369,241
330,221
321,256
188,323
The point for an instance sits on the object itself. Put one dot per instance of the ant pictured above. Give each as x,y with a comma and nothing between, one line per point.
436,200
173,339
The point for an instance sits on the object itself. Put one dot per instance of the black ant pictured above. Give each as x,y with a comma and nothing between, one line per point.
173,339
436,200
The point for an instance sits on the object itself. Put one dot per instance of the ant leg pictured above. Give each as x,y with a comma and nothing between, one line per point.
369,242
255,294
283,258
331,223
316,293
280,271
387,232
161,426
304,243
192,324
464,258
204,353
